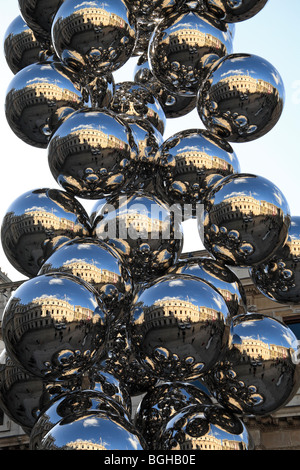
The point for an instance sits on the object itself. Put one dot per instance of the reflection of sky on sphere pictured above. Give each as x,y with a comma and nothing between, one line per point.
119,8
18,26
294,230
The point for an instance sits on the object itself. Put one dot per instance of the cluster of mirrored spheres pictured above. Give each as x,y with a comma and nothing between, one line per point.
110,309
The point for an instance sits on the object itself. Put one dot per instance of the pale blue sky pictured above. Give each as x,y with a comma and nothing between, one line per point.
273,34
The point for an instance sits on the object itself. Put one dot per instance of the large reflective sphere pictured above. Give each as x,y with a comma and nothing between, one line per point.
21,48
234,11
219,276
188,160
93,431
260,371
39,15
183,47
54,326
98,264
161,403
37,223
93,37
92,154
179,327
242,98
246,219
135,100
204,427
279,277
144,230
33,97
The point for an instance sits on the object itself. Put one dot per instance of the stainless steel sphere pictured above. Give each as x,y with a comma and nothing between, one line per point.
39,15
143,230
92,154
260,372
161,403
37,223
219,276
234,11
183,47
246,220
204,427
178,327
55,326
279,277
93,38
186,163
242,98
33,98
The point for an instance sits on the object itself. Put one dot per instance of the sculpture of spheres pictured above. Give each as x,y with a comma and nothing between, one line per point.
260,372
144,230
179,327
242,98
38,222
188,160
159,404
219,276
92,154
100,39
93,431
135,100
146,11
39,15
279,277
237,10
28,50
33,97
55,326
98,264
204,427
246,220
181,50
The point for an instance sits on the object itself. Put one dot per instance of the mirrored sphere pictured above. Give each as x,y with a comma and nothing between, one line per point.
21,48
246,219
93,38
178,327
38,222
161,403
39,15
143,230
135,100
150,10
55,326
236,10
183,47
98,264
219,276
92,154
204,427
97,431
186,163
33,97
279,277
260,372
242,98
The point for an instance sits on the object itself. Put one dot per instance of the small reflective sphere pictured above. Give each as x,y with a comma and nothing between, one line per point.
183,47
204,427
54,326
93,38
260,372
98,264
186,163
92,154
144,230
39,15
38,222
150,10
101,90
234,11
242,98
33,97
219,276
279,277
179,327
93,431
161,403
21,48
246,219
135,100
